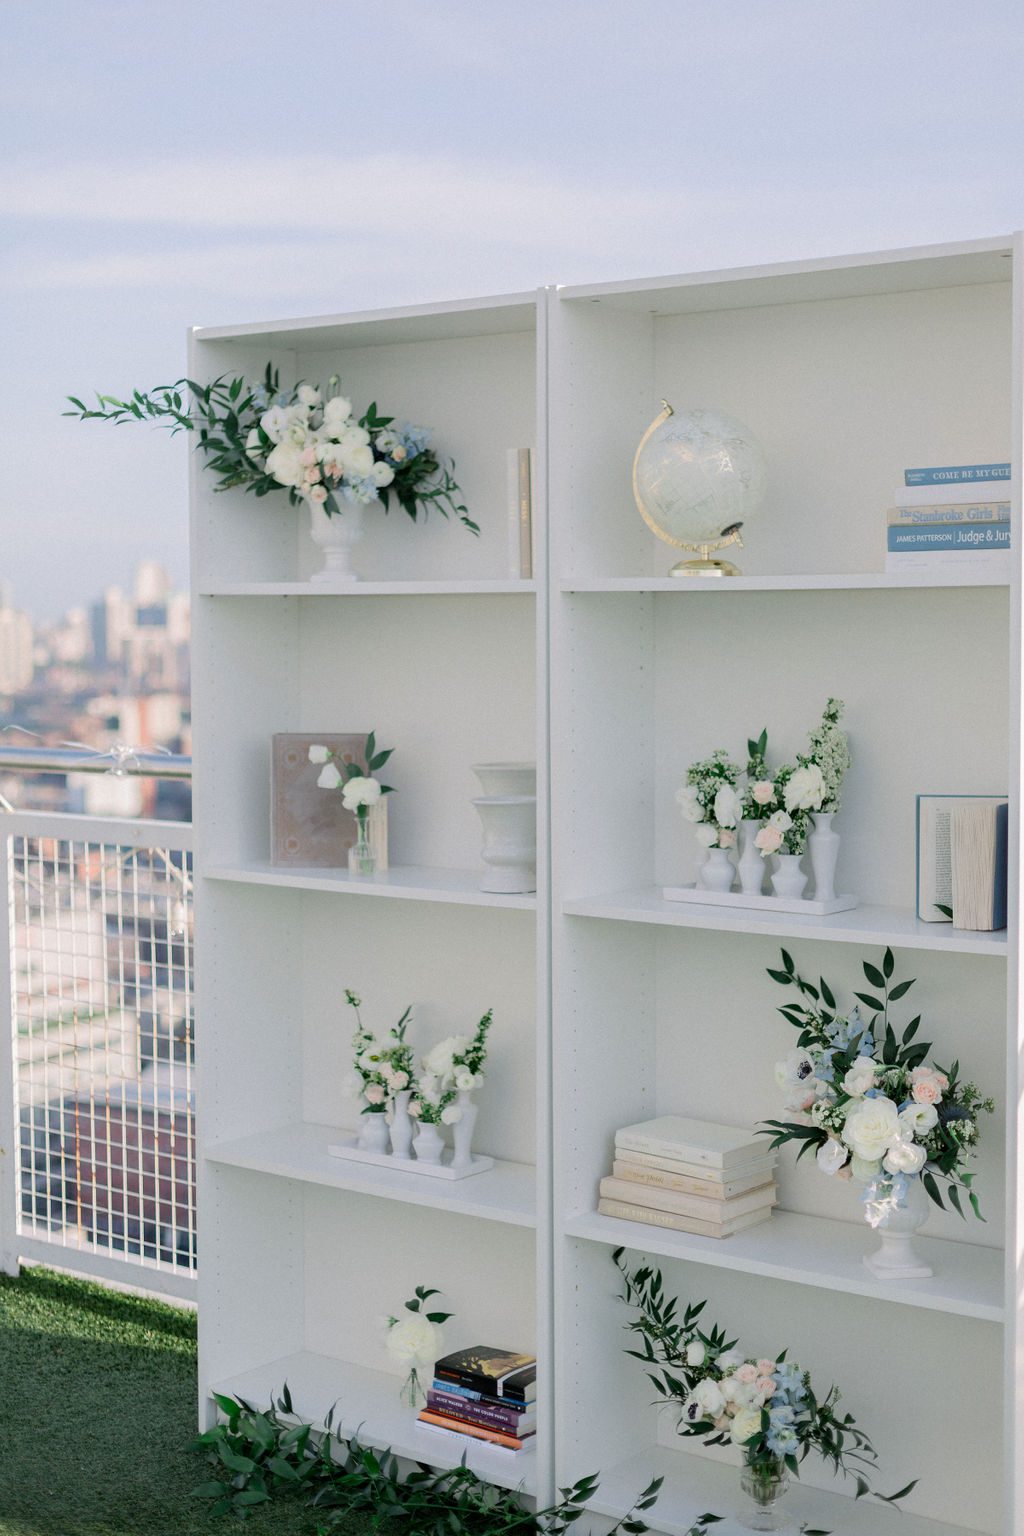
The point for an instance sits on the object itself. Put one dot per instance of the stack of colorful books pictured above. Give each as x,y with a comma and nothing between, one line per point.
951,517
485,1394
690,1175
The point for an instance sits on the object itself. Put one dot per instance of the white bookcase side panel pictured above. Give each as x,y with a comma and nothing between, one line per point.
451,968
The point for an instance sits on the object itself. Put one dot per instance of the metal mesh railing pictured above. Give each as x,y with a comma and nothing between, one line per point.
101,933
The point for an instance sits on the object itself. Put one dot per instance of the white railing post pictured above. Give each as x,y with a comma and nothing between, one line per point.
9,1151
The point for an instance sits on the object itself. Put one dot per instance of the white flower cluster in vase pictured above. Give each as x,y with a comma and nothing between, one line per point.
359,792
415,1342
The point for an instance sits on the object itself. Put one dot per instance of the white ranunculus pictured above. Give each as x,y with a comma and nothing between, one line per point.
451,1114
919,1119
780,821
329,778
337,410
746,1423
414,1341
871,1127
689,804
707,836
308,395
285,464
832,1156
904,1157
356,792
358,462
860,1077
318,754
728,806
806,789
695,1353
355,437
382,474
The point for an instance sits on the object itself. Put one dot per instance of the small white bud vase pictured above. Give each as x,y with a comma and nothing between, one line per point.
510,843
823,846
751,865
718,872
336,537
896,1257
373,1133
462,1132
429,1144
789,879
401,1124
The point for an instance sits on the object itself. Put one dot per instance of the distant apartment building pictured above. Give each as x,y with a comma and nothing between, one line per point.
17,662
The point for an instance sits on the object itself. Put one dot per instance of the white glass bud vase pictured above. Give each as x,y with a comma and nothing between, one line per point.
401,1124
896,1224
751,865
789,879
336,537
373,1135
823,846
462,1132
429,1144
510,843
717,874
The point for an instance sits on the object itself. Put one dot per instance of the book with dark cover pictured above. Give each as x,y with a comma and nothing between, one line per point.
487,1415
496,1372
515,1405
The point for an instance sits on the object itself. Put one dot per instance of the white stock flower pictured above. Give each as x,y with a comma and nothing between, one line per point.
707,836
414,1341
860,1077
746,1423
831,1156
919,1119
329,777
689,804
905,1157
356,792
871,1127
805,789
318,754
728,806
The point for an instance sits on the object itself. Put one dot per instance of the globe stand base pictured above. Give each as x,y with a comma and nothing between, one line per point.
705,568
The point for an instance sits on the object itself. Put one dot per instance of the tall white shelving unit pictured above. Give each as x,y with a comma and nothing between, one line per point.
613,1005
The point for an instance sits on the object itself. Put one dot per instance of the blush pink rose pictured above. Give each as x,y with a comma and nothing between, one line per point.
747,1374
317,493
928,1085
307,456
765,1386
766,1367
726,839
763,791
375,1093
769,840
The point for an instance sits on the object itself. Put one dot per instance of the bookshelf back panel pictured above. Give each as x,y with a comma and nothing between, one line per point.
365,1257
478,397
842,394
395,953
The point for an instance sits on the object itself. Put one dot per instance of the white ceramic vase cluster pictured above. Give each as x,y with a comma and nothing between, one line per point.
789,879
508,810
398,1133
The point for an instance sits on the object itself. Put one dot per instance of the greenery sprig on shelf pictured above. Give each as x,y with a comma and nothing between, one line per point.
257,1456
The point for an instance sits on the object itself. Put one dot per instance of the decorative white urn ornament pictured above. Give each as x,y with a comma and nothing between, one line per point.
336,537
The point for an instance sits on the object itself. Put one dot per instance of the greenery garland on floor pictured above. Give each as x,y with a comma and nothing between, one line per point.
258,1456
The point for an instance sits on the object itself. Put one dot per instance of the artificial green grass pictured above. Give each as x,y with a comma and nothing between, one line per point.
97,1408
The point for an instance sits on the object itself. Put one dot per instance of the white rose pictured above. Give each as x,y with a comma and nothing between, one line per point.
871,1127
414,1341
329,778
686,799
746,1424
832,1156
919,1119
905,1157
728,807
695,1353
318,754
706,836
860,1077
358,792
285,464
382,474
780,821
451,1114
806,789
763,792
465,1081
308,395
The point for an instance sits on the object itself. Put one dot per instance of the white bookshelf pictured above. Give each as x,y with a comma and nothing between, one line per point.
611,1003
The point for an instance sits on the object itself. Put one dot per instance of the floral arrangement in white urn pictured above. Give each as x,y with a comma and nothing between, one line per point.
360,791
415,1341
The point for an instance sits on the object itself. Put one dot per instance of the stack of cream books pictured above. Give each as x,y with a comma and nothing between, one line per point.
690,1175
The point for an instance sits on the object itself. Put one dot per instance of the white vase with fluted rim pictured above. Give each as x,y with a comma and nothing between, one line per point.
428,1143
789,880
823,847
336,536
507,778
462,1131
401,1124
510,843
718,871
373,1131
750,866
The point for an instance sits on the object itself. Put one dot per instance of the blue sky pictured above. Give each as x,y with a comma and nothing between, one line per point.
206,163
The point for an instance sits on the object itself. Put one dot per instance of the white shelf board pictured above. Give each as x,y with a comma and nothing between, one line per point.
451,319
838,582
214,588
506,1192
813,1250
458,887
896,926
368,1401
695,1485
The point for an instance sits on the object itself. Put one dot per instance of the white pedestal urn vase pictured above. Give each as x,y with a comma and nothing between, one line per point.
789,879
336,537
510,843
507,778
373,1133
750,867
718,872
429,1143
401,1124
896,1224
462,1132
823,846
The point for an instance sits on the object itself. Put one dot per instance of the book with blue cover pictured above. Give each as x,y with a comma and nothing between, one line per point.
956,474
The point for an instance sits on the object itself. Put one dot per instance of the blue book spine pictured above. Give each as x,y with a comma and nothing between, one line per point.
474,1396
999,902
940,537
955,474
